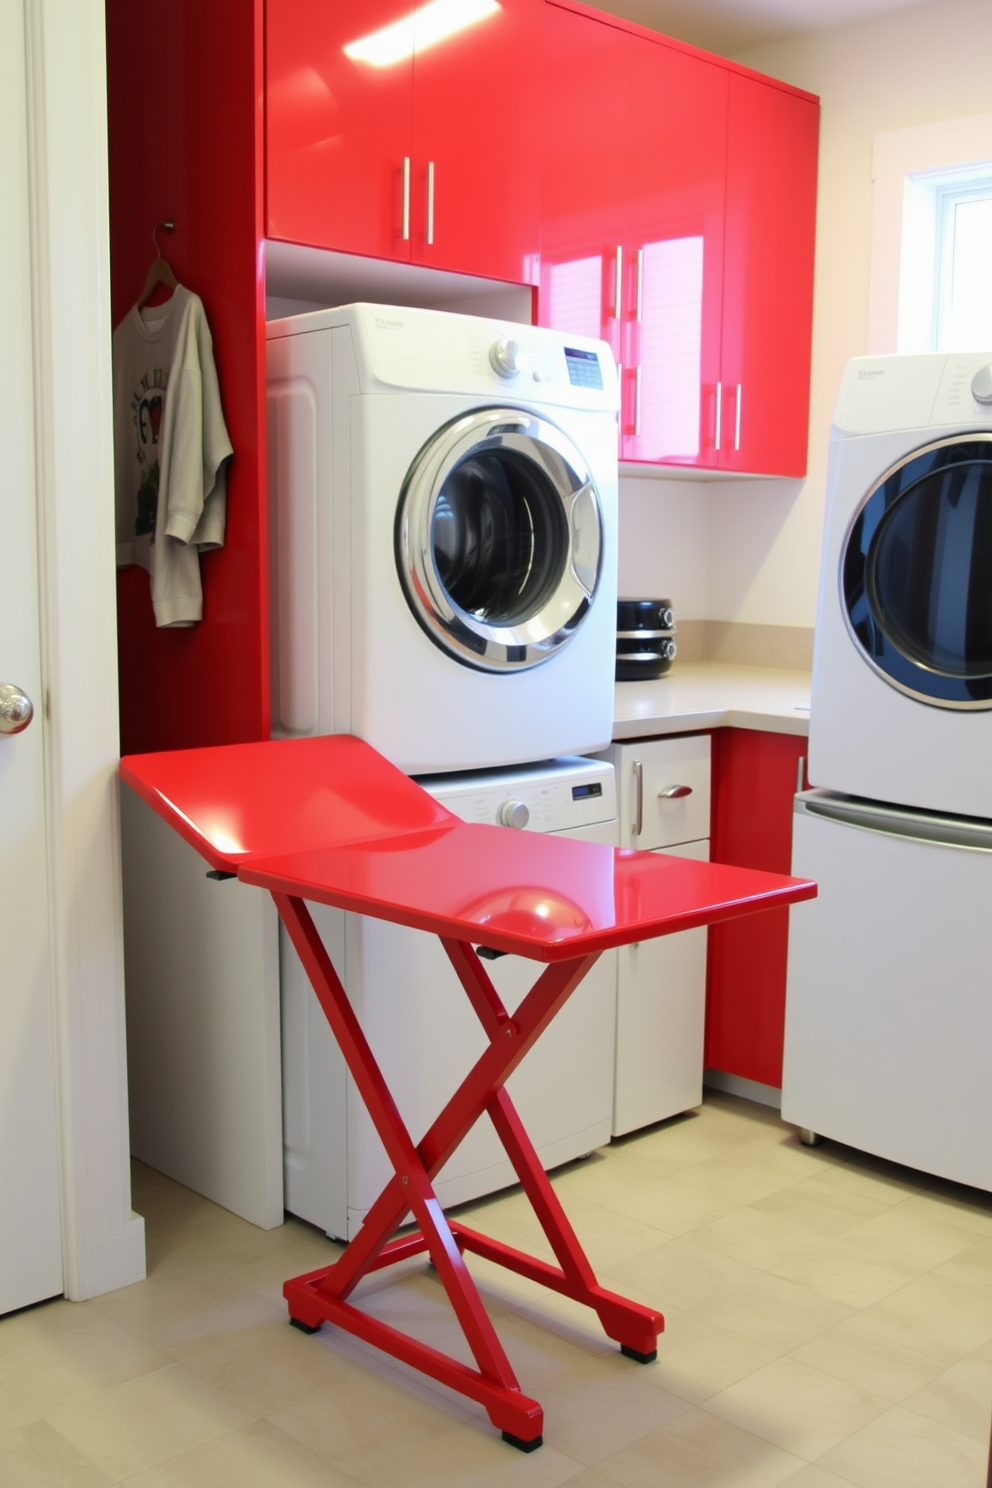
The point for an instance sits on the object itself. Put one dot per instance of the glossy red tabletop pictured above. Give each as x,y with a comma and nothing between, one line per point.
330,820
285,795
537,895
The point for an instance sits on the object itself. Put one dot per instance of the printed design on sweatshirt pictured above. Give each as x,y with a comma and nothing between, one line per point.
147,408
144,522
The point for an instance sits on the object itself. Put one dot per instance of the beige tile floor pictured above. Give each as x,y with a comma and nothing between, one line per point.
829,1324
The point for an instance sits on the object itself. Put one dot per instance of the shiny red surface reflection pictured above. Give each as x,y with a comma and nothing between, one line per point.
331,821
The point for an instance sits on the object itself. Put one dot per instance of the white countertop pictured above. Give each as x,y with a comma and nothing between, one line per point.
703,695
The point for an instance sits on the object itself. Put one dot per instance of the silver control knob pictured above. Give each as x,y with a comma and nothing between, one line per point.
981,385
513,814
16,709
508,357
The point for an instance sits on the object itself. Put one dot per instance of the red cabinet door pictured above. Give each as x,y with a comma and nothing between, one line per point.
586,93
476,187
755,779
388,136
768,277
677,175
339,123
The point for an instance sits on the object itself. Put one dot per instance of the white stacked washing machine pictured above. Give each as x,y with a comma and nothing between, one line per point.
889,1002
444,526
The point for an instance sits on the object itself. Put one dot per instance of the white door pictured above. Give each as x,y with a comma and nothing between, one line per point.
30,1228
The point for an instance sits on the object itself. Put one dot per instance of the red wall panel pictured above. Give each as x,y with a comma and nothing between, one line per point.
184,85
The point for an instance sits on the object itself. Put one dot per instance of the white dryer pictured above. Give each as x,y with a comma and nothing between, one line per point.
443,492
888,1019
902,671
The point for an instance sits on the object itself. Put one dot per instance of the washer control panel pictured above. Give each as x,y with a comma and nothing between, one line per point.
563,794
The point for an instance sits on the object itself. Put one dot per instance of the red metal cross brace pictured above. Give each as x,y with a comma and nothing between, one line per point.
322,1296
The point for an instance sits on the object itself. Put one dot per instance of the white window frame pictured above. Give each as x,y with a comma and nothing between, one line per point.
900,306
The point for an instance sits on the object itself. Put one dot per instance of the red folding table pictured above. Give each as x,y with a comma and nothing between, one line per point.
330,820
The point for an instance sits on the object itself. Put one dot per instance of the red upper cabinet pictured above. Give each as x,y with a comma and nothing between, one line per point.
768,277
338,127
586,152
392,137
476,188
675,240
699,180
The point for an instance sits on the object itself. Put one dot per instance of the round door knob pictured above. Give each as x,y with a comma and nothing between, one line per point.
16,709
981,385
513,814
508,357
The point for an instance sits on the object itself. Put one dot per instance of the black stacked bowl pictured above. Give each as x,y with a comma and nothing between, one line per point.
645,638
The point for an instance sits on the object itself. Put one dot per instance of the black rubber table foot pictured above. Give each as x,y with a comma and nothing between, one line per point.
636,1354
304,1327
521,1445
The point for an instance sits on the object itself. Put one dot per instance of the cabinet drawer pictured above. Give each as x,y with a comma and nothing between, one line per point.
646,772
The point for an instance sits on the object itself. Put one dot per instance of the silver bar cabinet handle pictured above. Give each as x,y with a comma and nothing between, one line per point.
430,201
640,281
637,400
638,797
719,414
737,420
618,283
405,234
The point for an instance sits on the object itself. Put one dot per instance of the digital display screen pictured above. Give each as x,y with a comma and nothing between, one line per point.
583,792
583,368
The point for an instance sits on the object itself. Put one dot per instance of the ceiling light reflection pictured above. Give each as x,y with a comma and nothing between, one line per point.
422,28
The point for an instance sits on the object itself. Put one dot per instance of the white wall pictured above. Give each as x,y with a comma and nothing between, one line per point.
762,538
664,543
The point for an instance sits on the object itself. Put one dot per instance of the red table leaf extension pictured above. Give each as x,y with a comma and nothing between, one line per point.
330,821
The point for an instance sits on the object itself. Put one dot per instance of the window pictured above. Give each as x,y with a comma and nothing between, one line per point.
945,284
932,237
962,310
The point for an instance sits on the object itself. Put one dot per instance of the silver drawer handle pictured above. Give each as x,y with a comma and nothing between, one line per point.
674,792
638,797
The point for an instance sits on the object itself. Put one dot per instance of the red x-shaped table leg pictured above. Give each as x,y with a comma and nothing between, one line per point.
321,1296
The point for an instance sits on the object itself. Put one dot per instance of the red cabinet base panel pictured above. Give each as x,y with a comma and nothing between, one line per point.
755,779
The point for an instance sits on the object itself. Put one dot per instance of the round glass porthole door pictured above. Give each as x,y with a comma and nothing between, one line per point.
499,539
916,574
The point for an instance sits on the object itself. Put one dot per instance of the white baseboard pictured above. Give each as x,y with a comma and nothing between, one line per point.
116,1261
753,1090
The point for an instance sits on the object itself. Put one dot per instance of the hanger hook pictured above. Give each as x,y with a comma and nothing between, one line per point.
167,226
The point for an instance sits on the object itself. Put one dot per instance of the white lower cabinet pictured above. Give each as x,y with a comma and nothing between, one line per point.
664,803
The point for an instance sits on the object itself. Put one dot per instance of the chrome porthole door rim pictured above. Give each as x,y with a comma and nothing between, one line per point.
938,680
537,636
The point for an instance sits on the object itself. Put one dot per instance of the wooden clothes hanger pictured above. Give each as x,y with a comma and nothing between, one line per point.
159,270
